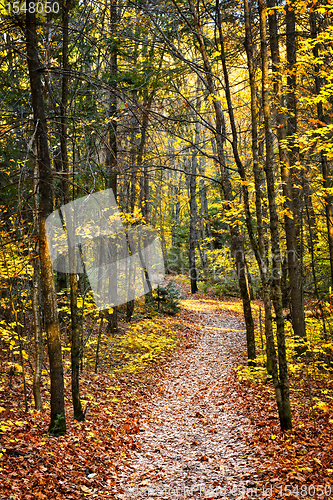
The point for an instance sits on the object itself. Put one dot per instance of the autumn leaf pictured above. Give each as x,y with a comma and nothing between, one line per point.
86,490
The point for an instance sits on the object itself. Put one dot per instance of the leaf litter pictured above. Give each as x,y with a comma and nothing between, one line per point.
190,426
187,427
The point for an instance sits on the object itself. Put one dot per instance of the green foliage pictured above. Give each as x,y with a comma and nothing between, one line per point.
168,297
203,286
58,426
228,287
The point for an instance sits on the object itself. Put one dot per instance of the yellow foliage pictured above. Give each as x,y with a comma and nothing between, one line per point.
144,343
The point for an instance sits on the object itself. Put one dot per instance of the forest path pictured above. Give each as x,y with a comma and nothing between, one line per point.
190,444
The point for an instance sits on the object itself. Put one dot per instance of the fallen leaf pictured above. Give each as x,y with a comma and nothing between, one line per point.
86,490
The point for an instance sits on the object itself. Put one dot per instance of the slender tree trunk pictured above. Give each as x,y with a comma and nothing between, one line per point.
133,156
204,228
144,167
38,337
323,155
36,295
286,130
176,259
258,247
112,146
281,385
18,329
193,217
207,231
75,349
314,276
75,323
101,315
58,422
237,246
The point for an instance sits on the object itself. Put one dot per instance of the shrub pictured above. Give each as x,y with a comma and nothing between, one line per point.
168,298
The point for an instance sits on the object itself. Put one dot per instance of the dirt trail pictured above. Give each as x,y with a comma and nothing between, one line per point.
191,427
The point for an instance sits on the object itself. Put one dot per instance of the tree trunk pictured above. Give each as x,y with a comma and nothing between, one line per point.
237,247
323,154
281,383
75,349
237,241
75,324
314,276
132,188
144,167
258,247
36,295
58,422
38,337
101,315
193,219
112,145
286,130
207,230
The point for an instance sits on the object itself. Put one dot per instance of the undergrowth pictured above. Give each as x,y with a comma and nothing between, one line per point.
146,342
310,374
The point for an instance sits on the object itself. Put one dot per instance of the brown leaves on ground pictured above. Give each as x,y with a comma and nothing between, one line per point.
185,428
86,459
303,456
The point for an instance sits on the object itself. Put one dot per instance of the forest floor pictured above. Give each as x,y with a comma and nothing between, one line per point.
183,428
190,444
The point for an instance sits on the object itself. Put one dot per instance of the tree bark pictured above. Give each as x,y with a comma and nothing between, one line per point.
58,422
112,144
36,295
237,241
286,130
205,229
101,315
323,156
259,246
73,282
75,326
281,383
193,217
144,167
